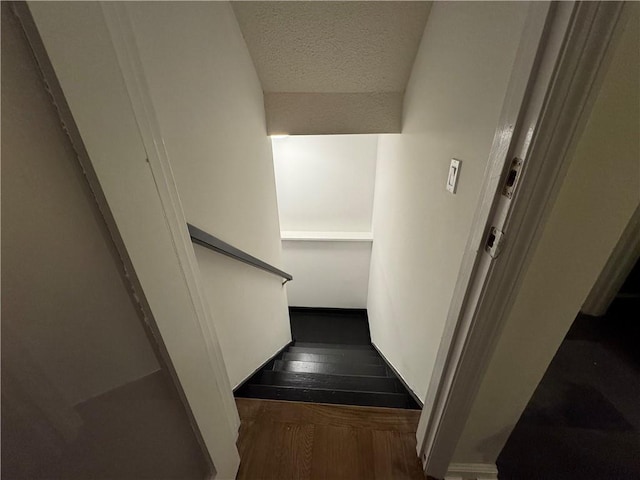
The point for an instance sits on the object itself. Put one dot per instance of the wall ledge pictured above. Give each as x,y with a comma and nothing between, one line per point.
326,236
472,471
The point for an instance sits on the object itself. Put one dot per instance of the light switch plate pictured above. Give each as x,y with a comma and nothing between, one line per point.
454,173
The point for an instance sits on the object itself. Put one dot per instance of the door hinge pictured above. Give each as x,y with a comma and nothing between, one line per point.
513,176
494,242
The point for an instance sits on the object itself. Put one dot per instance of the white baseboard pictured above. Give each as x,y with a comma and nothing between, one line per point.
472,471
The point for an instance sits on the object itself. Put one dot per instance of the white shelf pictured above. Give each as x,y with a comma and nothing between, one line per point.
327,236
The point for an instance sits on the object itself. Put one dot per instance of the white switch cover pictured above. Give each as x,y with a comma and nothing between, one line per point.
452,179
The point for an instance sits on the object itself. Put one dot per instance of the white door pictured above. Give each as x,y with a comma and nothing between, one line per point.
87,53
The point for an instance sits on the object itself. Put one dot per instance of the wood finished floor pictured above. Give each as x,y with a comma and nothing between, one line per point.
294,440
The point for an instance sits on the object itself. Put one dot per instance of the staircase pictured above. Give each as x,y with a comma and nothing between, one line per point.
330,361
329,373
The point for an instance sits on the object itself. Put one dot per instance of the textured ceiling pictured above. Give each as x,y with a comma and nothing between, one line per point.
332,46
338,48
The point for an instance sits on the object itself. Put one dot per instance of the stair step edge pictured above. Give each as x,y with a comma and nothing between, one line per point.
345,397
334,351
330,381
337,359
345,346
332,368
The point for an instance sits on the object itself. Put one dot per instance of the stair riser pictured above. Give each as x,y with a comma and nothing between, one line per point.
391,400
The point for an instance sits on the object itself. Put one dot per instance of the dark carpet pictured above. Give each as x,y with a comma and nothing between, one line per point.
583,421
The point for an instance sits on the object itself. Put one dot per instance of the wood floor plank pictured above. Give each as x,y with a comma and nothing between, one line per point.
335,453
383,461
392,458
245,436
291,440
364,444
298,445
409,445
249,410
262,454
323,414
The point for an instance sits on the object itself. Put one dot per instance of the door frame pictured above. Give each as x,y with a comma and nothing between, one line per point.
120,27
560,64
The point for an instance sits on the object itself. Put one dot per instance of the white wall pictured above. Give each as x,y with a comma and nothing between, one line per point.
325,182
209,104
325,190
65,306
327,274
451,109
595,202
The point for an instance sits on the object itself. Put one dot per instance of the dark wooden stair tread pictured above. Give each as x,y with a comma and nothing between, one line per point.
339,373
353,353
334,345
339,382
331,368
314,357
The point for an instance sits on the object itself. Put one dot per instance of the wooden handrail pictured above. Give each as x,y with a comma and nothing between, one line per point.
213,243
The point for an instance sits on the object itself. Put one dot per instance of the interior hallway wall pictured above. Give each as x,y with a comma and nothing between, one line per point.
62,292
325,197
83,394
451,109
209,103
598,197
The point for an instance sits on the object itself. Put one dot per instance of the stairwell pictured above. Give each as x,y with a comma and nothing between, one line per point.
328,370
